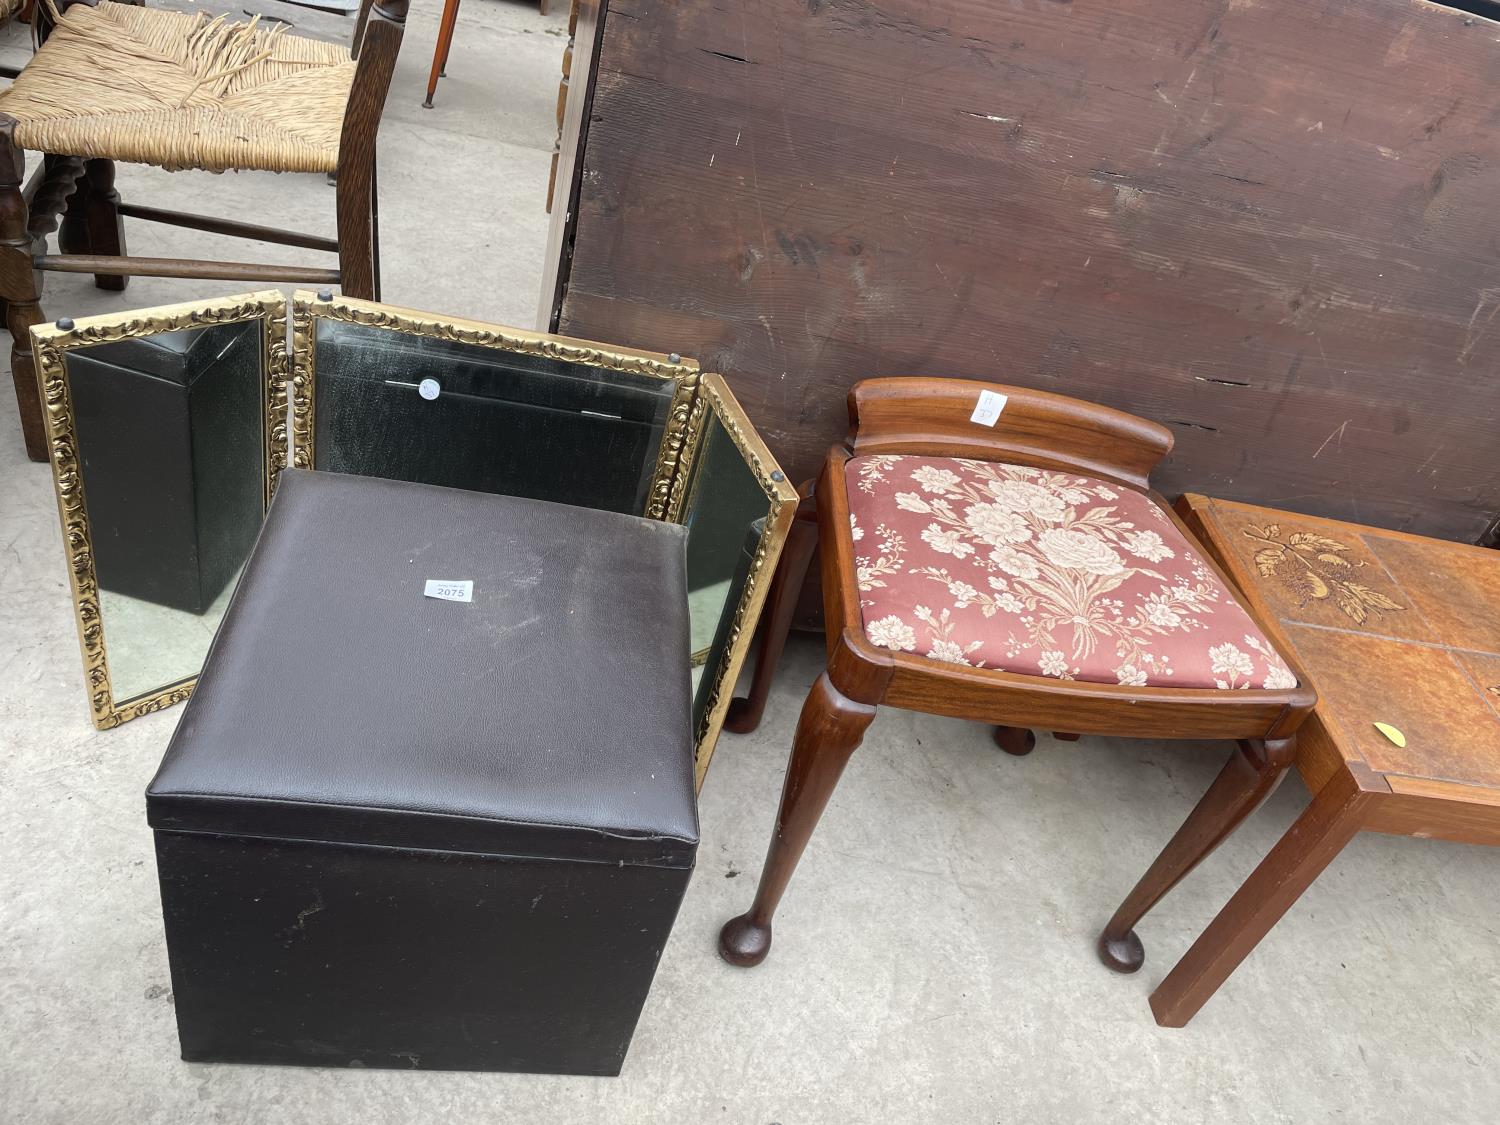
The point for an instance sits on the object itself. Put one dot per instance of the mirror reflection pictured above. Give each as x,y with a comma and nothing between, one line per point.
725,514
393,404
169,435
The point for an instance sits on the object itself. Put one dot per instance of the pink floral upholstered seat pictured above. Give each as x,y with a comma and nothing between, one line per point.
1043,574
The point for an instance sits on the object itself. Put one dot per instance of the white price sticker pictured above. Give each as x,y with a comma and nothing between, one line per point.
987,413
449,590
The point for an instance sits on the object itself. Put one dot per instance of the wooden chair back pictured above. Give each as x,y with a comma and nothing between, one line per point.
376,42
362,21
933,416
374,46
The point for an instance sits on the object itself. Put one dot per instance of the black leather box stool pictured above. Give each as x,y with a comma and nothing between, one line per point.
395,830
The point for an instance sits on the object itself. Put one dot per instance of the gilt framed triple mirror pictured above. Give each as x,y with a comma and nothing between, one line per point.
369,389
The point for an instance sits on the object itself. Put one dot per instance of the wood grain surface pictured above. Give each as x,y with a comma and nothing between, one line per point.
1391,628
1269,224
1380,619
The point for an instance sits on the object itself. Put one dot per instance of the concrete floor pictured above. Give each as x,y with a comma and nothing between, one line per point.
934,956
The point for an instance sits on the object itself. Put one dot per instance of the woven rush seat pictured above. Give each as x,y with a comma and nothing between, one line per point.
181,91
118,83
1043,574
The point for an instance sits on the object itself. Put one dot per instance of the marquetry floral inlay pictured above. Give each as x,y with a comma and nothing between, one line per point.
1314,567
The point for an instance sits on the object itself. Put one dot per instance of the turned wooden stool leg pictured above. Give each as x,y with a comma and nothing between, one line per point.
101,215
1334,817
444,44
73,228
19,290
1250,776
744,714
829,729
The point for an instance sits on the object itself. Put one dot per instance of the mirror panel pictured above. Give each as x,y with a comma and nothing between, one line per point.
492,410
725,513
737,508
160,443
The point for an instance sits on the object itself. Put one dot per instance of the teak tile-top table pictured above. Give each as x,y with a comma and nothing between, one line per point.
1392,629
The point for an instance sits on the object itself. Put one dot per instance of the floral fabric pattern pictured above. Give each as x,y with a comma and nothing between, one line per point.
1043,574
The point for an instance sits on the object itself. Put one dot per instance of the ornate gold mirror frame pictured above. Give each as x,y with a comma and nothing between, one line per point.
289,407
714,399
52,343
308,308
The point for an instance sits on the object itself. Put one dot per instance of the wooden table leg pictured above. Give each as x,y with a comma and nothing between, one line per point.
1253,772
1336,814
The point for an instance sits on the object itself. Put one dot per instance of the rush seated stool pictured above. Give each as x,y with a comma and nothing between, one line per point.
398,830
124,83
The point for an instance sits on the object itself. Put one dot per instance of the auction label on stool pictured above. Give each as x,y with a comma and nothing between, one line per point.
987,412
450,590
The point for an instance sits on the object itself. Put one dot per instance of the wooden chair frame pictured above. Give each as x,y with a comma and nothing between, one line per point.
77,198
932,416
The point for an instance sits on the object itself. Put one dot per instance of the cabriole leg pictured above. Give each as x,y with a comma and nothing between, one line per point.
1250,776
1018,741
829,729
